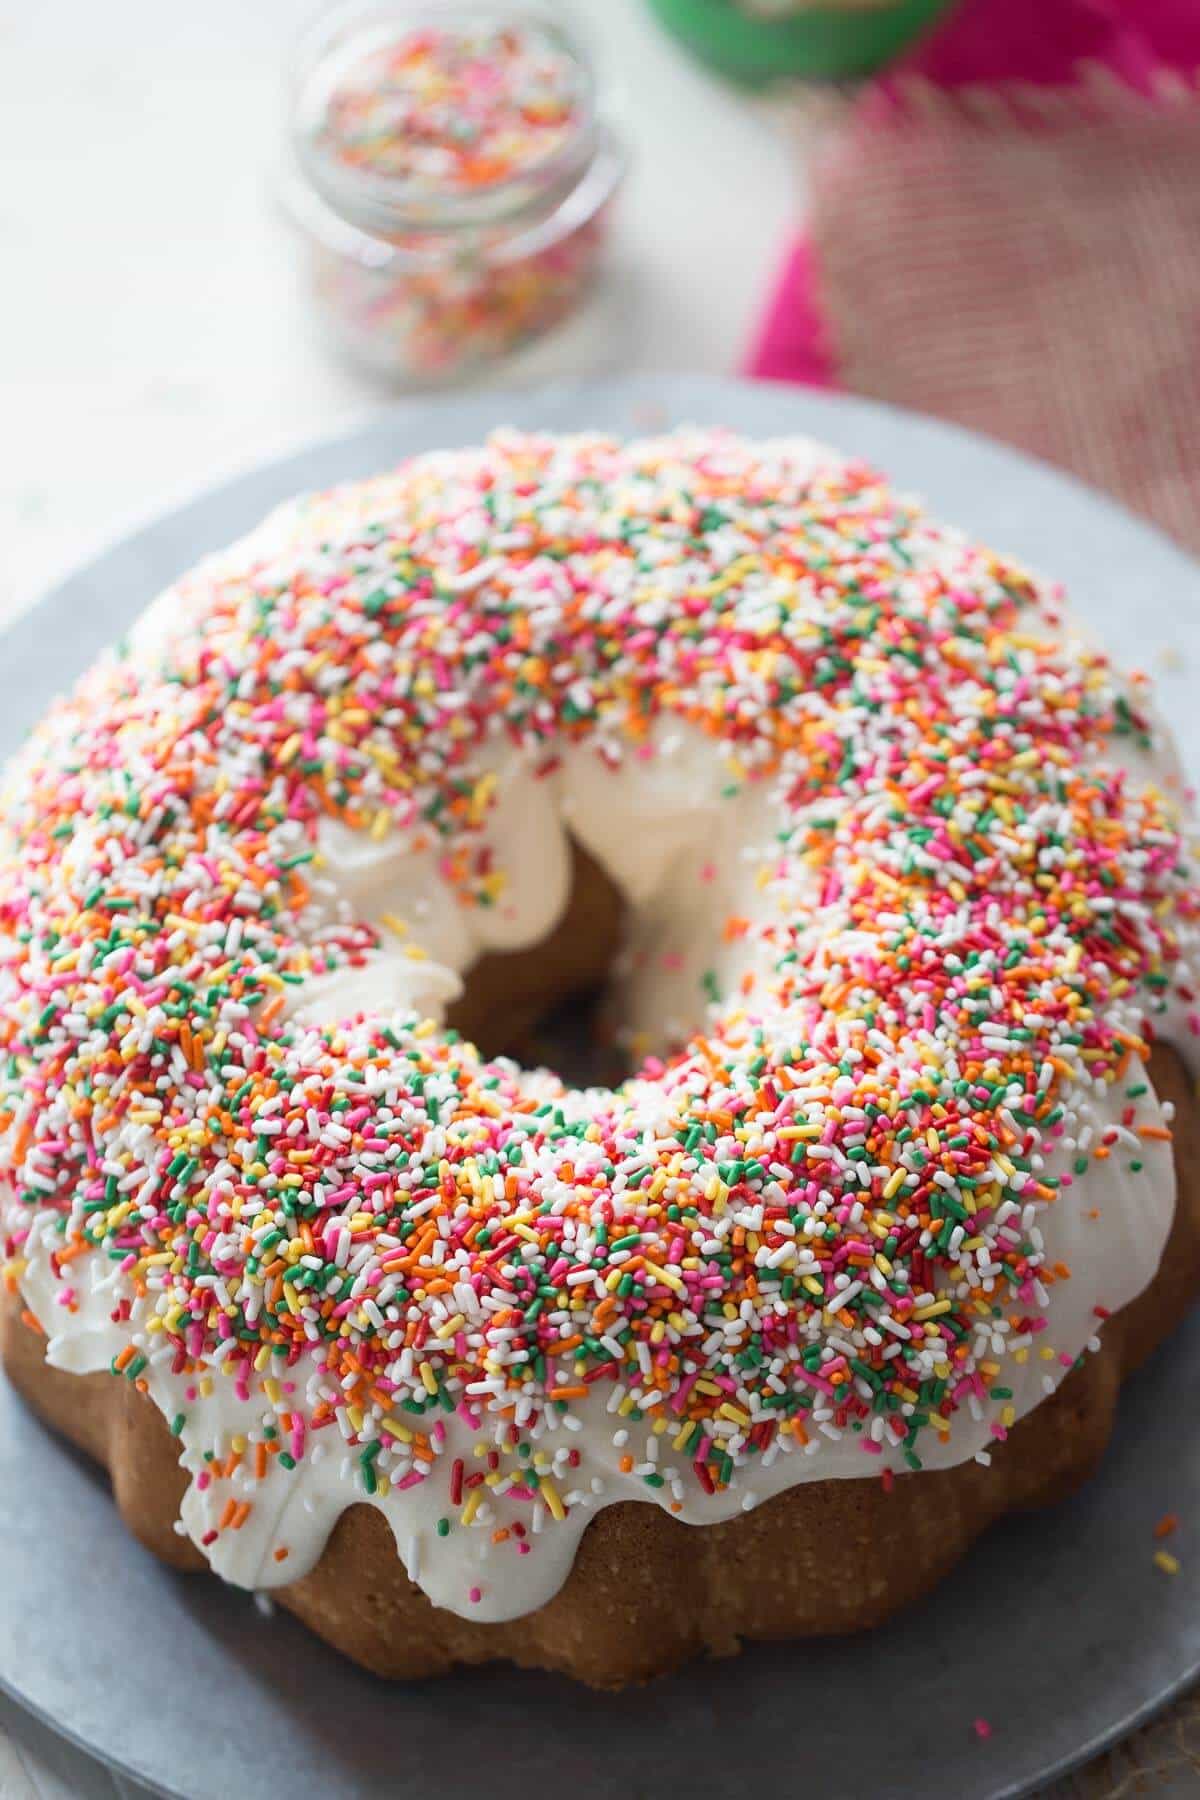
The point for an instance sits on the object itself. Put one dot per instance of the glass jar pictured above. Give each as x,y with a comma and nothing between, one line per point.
451,178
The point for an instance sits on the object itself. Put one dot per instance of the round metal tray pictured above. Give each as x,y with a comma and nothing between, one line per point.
1058,1630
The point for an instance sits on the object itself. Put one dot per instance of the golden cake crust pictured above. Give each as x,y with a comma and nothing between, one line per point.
647,1592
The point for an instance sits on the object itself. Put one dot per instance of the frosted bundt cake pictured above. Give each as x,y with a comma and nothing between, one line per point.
887,869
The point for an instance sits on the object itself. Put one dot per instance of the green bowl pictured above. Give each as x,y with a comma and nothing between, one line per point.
825,42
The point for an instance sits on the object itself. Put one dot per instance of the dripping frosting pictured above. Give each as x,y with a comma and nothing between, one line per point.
908,897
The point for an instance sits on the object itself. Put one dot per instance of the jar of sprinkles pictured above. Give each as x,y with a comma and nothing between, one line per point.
451,178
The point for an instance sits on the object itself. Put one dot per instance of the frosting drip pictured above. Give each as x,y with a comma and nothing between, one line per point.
906,891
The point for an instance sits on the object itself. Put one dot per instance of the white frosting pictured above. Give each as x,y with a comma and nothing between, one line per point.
685,861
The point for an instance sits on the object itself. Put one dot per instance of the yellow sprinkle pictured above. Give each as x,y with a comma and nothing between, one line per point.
428,1379
1167,1563
485,787
177,922
549,1494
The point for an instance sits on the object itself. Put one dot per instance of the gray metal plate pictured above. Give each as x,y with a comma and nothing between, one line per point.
1058,1629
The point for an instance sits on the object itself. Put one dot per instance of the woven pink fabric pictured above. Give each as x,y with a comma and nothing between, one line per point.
1005,231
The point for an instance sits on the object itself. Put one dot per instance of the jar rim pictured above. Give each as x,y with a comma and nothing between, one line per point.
383,206
430,247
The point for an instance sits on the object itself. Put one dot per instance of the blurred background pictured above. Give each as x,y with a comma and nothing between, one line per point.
983,209
157,334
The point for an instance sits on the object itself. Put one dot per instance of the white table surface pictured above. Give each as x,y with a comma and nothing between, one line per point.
152,337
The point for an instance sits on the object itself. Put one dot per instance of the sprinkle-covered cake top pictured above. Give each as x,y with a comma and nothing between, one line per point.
820,1220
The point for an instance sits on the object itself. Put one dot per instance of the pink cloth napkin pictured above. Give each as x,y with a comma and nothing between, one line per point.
1005,231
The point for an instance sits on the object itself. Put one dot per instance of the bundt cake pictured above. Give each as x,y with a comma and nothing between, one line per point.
887,871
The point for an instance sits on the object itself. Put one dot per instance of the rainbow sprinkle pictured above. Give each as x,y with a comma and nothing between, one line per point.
826,1227
448,110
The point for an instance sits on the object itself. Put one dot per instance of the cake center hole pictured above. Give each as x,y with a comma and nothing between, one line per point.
545,1005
